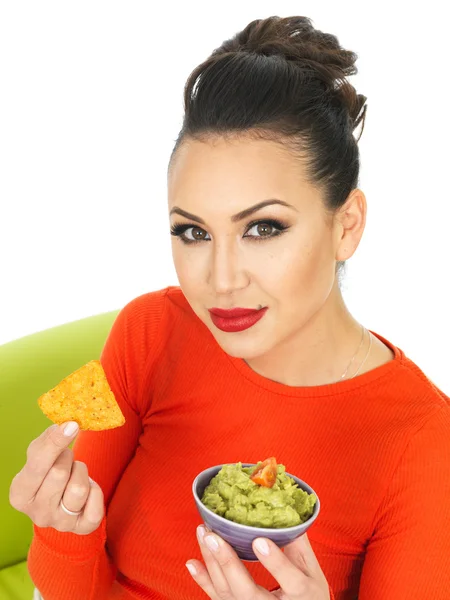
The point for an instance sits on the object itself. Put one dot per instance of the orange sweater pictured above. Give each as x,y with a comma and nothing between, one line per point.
375,448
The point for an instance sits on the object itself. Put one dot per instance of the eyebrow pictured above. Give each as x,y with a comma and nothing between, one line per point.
238,216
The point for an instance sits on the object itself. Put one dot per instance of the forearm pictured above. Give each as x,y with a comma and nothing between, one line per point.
82,569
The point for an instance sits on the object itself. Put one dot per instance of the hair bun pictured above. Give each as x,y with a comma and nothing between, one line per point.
297,41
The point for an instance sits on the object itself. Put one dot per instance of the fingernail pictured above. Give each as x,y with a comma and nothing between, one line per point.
70,428
200,533
91,481
262,546
192,570
212,543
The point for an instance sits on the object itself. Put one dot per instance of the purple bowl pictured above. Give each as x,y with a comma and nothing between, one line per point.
240,537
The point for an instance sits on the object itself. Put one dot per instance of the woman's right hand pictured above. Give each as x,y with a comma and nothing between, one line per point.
51,475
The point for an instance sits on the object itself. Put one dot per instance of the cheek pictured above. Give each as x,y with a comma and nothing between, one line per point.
287,266
182,257
188,268
300,270
179,262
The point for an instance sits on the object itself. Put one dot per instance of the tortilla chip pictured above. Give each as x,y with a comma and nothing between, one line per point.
84,397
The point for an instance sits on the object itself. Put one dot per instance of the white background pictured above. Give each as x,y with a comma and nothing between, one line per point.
91,104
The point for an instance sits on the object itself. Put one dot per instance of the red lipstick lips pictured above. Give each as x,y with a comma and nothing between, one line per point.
236,319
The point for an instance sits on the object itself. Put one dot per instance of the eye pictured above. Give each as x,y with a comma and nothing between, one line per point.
263,229
197,234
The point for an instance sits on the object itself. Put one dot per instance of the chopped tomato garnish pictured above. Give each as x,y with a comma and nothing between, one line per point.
266,473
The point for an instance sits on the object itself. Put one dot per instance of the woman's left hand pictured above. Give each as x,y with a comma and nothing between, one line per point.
225,577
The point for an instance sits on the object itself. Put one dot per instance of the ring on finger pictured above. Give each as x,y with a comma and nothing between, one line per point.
69,512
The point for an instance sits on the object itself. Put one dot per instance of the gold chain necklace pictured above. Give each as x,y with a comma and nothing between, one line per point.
353,358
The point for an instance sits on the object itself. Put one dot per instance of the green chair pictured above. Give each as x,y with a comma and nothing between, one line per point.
29,367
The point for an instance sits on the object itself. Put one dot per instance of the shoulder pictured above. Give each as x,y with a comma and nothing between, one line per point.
420,386
160,317
169,305
138,323
147,312
403,390
434,430
424,414
421,472
419,425
154,304
150,303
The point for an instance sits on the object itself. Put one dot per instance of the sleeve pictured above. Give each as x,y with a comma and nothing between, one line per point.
67,566
408,555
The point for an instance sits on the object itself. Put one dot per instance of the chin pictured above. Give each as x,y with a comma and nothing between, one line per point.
236,347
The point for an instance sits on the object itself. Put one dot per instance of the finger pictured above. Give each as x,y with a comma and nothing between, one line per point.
93,512
77,489
218,579
41,455
279,594
68,480
300,553
291,577
236,575
43,509
201,576
54,483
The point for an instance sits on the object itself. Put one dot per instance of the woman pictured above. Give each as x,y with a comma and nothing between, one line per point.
265,210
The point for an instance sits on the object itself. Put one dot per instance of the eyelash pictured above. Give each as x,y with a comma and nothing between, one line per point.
178,229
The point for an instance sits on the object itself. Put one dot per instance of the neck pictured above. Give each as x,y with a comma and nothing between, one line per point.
319,352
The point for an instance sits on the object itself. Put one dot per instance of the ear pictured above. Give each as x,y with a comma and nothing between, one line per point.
349,224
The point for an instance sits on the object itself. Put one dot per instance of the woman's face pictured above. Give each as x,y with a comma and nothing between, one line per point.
281,256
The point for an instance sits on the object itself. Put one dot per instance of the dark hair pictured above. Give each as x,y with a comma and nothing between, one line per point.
280,79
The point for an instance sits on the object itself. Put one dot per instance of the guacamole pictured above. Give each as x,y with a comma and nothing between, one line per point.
234,496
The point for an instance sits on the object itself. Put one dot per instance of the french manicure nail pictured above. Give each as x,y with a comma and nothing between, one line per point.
70,428
212,543
200,533
192,570
262,546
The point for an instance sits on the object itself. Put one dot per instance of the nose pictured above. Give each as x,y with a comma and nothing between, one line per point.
227,274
